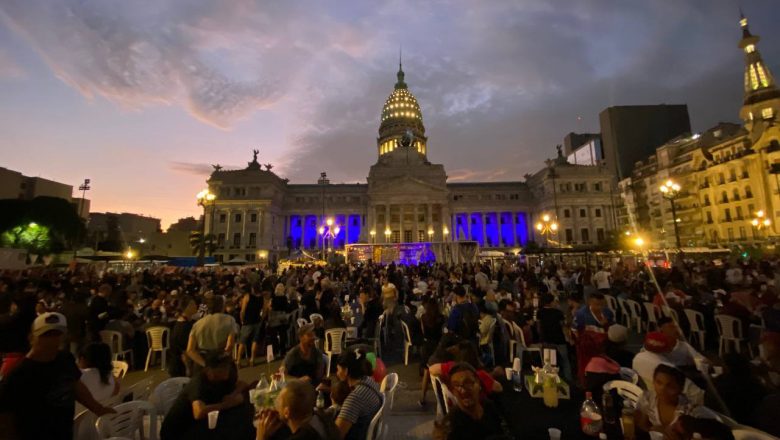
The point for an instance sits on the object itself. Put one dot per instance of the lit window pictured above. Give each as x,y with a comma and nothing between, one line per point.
767,113
750,48
762,75
753,77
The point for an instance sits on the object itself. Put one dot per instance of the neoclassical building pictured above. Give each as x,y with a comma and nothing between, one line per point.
728,174
406,199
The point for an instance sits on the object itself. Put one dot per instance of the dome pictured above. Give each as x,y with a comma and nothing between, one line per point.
400,114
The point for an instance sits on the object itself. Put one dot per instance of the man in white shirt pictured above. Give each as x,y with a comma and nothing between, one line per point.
482,280
734,275
601,279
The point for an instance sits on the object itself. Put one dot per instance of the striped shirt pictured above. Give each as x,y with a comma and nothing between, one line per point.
362,404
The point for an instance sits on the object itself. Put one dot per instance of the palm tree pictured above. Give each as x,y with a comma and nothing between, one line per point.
197,240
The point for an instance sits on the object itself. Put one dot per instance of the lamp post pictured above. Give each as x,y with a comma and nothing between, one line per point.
329,232
446,232
204,198
760,222
430,233
670,190
387,235
372,233
547,227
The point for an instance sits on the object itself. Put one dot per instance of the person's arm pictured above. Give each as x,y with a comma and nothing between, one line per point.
343,426
193,353
435,370
230,341
200,410
84,397
242,313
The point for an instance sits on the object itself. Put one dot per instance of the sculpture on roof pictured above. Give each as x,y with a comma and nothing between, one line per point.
268,166
254,165
217,167
256,152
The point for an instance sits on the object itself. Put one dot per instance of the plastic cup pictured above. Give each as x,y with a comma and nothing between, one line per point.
508,372
213,415
555,433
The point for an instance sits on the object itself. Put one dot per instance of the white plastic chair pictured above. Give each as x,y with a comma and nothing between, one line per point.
696,324
635,311
388,386
510,330
314,316
438,391
114,340
730,331
746,433
626,390
158,339
140,390
407,342
120,369
128,420
334,344
625,314
629,375
376,428
612,303
377,339
652,315
491,332
671,313
84,426
166,393
301,322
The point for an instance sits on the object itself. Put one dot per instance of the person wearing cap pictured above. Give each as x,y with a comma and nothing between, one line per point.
305,361
45,386
655,346
616,340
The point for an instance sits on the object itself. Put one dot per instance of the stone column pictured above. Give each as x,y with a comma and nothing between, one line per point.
499,226
303,230
387,222
415,234
514,229
346,229
483,216
243,228
228,238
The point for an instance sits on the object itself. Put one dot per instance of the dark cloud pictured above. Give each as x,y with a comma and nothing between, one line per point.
198,169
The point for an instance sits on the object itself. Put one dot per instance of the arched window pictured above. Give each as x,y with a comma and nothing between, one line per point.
723,197
736,194
706,200
748,192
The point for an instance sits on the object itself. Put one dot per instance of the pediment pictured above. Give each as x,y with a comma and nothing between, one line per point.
405,185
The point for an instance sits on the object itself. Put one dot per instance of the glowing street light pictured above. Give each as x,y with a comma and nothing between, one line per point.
760,221
639,242
670,190
129,254
387,235
547,226
204,198
430,233
372,233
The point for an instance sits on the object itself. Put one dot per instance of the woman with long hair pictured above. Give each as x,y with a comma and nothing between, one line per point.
97,371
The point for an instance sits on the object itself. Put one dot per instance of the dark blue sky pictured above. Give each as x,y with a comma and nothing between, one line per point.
141,96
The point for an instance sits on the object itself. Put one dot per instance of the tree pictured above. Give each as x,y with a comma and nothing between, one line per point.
41,225
210,242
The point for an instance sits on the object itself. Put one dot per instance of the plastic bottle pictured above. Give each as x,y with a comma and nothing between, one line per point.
321,399
590,416
611,424
262,384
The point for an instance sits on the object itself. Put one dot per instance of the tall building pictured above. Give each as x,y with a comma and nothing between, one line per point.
406,199
15,185
630,133
132,228
727,174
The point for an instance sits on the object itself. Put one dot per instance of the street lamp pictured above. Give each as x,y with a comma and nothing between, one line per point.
204,198
670,190
446,232
329,232
129,254
387,235
372,233
430,233
760,221
547,226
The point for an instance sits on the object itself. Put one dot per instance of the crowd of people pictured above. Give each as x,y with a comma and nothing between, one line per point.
464,319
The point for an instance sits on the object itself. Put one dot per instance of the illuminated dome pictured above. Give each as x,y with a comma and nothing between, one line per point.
401,113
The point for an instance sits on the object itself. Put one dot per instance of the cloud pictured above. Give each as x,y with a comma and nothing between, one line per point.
198,169
9,68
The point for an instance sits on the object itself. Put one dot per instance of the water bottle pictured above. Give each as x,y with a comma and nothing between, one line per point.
262,384
590,416
321,399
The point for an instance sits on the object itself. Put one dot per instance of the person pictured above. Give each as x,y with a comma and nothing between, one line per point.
682,352
466,351
686,426
251,303
215,388
551,323
765,415
601,280
473,417
98,311
740,390
617,335
464,317
664,402
370,310
589,328
294,408
364,399
339,391
212,333
178,362
486,322
38,398
97,371
431,326
305,361
656,344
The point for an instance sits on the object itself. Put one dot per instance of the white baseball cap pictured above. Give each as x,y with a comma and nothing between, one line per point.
49,321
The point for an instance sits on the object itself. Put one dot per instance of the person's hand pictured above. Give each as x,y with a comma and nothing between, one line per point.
268,423
305,378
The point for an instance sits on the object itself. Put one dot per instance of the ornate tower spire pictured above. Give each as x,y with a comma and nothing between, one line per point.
400,84
401,114
761,93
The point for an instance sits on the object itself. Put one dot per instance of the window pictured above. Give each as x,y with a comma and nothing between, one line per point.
569,236
583,213
598,212
396,236
731,234
585,235
238,218
706,200
767,113
597,186
721,179
723,197
221,239
566,213
600,235
421,236
748,192
252,238
709,217
249,257
732,175
408,236
735,194
742,233
739,213
237,239
222,218
727,215
253,218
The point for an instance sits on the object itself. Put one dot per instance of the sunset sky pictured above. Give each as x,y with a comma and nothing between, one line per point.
142,96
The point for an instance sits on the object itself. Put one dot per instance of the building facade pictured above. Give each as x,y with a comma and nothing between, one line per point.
728,174
406,199
15,185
